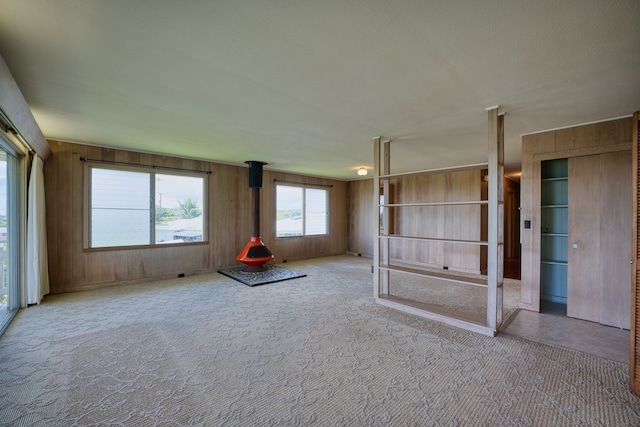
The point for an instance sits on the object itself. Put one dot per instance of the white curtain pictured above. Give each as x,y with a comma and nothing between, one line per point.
37,262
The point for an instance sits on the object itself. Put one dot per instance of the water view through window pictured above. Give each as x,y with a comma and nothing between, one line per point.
131,208
120,208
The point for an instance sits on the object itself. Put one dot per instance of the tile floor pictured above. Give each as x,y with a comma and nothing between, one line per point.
552,326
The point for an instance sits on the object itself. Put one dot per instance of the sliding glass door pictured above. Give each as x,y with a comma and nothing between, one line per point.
9,292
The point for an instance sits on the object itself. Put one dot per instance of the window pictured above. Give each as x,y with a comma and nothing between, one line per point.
133,207
301,211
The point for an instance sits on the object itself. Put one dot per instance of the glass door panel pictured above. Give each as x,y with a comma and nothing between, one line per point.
9,297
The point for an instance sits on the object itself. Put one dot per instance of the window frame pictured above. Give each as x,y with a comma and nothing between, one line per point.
16,196
152,171
304,187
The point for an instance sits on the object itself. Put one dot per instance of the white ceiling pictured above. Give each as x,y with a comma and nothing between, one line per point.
306,85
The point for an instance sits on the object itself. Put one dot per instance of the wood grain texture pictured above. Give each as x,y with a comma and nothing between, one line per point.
495,250
615,239
361,217
460,222
565,139
583,283
73,268
606,133
530,203
546,142
585,136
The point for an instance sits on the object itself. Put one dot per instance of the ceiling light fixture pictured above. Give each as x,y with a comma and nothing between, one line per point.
362,171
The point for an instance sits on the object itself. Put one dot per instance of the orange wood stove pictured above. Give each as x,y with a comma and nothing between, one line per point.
255,254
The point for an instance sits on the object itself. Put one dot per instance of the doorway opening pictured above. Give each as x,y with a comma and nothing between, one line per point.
512,229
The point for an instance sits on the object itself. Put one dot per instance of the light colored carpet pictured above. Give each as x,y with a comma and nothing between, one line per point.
210,351
469,301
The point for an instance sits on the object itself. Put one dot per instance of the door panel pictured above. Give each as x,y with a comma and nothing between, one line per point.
615,239
599,273
9,226
583,287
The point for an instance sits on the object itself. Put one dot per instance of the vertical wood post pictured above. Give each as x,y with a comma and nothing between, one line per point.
385,243
496,217
376,219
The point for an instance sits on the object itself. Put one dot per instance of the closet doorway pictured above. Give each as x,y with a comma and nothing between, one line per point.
585,237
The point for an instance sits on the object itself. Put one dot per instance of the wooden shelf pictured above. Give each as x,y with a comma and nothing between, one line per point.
553,206
450,277
494,215
437,313
470,202
433,239
550,261
431,171
560,178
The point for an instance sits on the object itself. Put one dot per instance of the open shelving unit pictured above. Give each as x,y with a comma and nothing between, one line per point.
554,233
492,282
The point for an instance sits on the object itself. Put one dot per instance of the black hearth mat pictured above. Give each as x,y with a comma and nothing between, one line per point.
270,275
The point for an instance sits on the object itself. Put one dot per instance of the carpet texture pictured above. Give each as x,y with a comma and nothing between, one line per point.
202,351
271,274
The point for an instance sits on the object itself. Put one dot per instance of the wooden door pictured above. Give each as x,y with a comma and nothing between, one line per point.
599,273
615,239
634,356
583,277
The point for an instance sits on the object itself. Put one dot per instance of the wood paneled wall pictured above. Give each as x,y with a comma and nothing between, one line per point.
361,217
453,222
460,222
73,268
592,139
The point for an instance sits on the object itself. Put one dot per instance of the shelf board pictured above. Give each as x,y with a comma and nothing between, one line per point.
559,178
437,313
550,261
470,202
433,239
554,234
439,170
553,206
451,277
